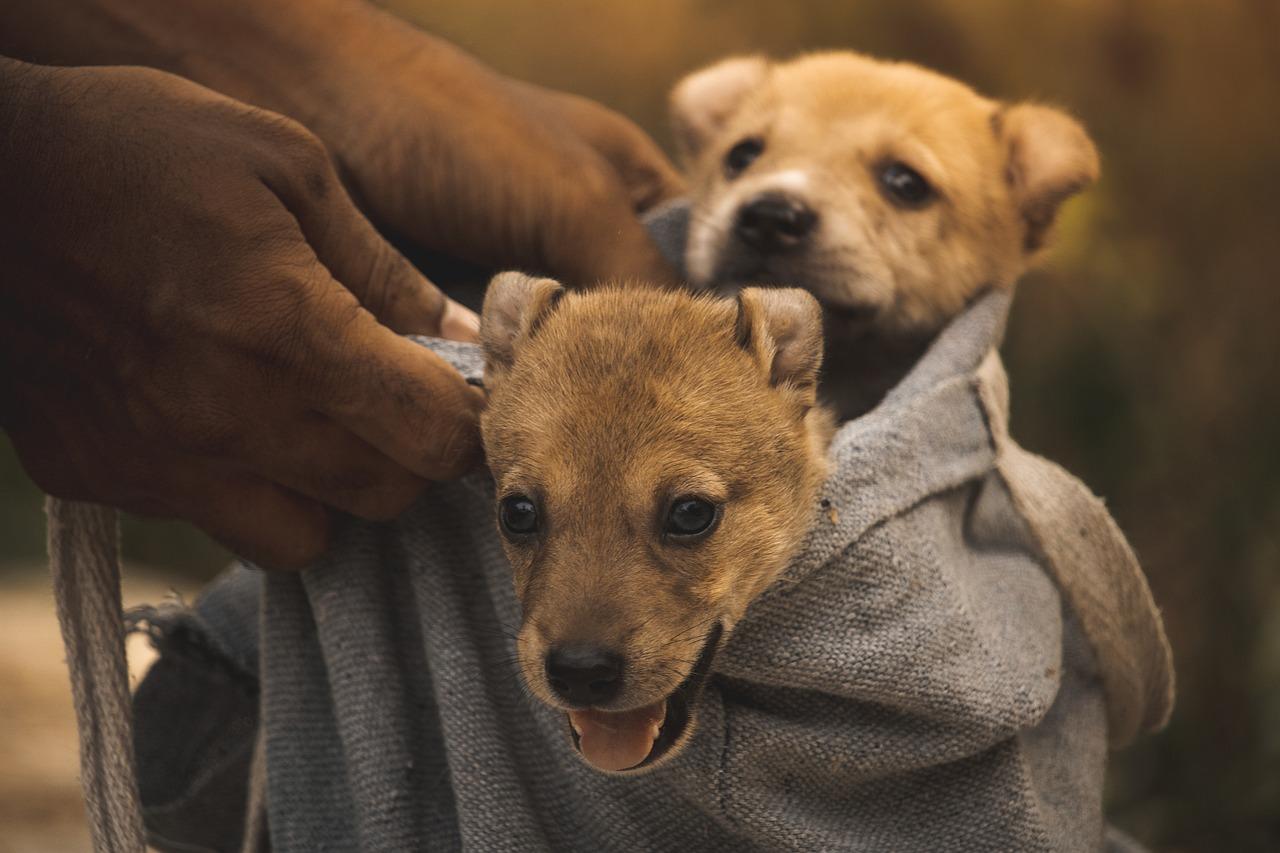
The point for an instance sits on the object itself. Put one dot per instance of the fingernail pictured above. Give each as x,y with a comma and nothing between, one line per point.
459,323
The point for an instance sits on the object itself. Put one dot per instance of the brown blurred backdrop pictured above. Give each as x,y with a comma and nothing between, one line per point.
1146,357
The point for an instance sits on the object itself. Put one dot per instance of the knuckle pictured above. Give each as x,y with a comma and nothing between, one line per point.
292,134
305,158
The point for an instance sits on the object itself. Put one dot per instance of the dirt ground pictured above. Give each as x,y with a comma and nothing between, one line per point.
40,806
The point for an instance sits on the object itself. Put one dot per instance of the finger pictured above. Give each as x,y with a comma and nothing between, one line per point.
401,398
398,396
649,177
321,460
644,170
261,521
382,279
460,323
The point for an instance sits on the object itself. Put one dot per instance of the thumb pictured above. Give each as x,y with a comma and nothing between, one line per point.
357,256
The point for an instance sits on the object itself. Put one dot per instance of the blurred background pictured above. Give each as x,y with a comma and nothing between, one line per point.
1145,356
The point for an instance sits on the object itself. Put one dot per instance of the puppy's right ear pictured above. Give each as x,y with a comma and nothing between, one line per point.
514,305
703,102
781,327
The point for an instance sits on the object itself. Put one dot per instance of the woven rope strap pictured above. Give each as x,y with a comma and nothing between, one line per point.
85,563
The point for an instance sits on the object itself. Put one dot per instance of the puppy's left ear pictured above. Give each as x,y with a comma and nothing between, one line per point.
1048,158
704,102
782,329
514,305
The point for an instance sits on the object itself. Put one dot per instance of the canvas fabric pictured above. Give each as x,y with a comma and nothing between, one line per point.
942,668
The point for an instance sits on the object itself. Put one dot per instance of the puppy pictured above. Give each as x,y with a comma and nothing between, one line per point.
656,457
892,193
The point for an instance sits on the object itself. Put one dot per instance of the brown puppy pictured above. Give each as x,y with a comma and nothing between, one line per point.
892,193
657,456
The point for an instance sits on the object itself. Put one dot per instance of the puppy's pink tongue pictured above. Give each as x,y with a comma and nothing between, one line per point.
616,741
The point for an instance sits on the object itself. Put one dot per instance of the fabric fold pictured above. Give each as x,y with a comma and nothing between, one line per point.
940,669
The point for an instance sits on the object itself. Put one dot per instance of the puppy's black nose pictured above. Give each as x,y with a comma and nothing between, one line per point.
773,222
584,675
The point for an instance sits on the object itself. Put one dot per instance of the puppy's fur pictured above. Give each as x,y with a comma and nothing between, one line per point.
825,129
607,407
607,410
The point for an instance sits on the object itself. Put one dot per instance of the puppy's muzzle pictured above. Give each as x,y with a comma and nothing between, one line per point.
585,677
774,222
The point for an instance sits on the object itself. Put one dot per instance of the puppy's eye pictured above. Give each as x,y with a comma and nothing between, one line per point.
742,155
905,186
690,517
519,515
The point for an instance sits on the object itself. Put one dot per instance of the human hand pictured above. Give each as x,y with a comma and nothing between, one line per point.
433,144
645,172
492,170
187,317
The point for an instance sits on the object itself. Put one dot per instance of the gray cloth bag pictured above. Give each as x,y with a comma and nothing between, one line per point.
942,667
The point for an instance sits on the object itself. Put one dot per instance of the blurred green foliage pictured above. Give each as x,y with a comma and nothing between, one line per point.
1145,356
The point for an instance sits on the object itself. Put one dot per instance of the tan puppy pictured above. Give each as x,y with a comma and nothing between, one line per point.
657,457
892,193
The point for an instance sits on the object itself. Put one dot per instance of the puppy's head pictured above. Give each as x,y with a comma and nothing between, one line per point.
892,192
656,456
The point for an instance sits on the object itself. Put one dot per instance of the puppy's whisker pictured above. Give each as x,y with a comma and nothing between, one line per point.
629,460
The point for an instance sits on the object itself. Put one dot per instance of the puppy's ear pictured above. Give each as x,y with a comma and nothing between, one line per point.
1048,158
703,102
514,305
782,329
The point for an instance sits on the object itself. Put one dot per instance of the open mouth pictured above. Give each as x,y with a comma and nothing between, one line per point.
630,740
